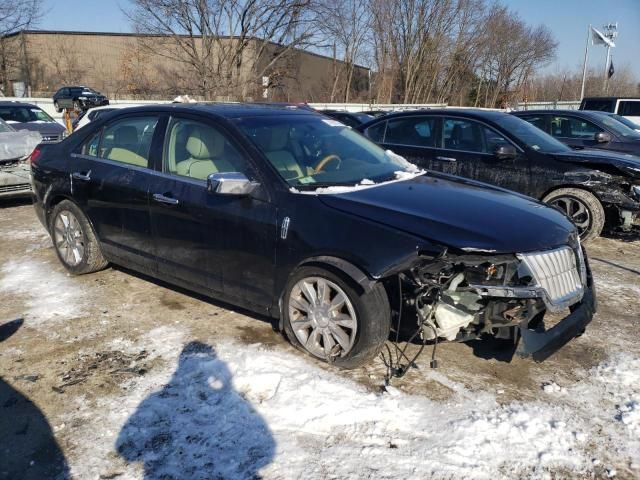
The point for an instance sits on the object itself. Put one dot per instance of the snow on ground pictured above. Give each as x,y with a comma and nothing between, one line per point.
236,411
50,294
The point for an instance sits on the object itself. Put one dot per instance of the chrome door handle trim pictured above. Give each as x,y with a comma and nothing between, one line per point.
160,198
446,159
82,176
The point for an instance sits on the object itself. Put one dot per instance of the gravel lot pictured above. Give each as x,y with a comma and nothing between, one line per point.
114,375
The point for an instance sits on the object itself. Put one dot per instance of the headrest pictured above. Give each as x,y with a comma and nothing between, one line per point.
272,139
279,138
204,142
127,135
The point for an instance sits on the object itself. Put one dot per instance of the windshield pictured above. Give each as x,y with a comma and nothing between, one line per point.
530,135
619,128
311,151
4,128
24,114
624,121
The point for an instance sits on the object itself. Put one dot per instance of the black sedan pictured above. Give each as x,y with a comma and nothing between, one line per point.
288,213
591,187
581,129
82,98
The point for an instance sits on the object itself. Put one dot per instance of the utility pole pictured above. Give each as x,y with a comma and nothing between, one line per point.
584,67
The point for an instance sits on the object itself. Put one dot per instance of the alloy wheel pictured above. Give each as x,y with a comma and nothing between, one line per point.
322,317
576,210
69,238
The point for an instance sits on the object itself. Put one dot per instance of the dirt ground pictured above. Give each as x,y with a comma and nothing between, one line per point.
76,341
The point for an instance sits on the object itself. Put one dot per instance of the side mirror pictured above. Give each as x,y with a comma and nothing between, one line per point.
230,183
602,137
505,152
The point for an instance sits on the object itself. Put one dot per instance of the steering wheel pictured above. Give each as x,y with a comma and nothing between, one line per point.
323,163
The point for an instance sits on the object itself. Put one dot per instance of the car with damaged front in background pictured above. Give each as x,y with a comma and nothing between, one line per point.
291,214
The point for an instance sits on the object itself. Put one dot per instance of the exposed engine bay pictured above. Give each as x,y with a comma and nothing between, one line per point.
464,297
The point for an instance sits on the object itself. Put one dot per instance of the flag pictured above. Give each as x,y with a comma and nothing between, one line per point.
598,38
611,70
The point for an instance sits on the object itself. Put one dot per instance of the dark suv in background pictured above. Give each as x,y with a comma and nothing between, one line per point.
83,98
591,187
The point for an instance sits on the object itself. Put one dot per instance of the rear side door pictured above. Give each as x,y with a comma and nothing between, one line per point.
576,132
414,137
469,145
111,172
629,109
209,242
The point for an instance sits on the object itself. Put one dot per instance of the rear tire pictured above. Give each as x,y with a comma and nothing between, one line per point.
582,207
346,326
74,240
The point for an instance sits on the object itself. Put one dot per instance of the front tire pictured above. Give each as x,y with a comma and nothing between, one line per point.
58,109
74,240
333,319
582,207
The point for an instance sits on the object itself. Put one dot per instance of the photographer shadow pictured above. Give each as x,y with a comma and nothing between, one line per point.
197,425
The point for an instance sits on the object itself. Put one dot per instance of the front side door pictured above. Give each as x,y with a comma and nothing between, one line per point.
110,179
469,145
414,137
210,242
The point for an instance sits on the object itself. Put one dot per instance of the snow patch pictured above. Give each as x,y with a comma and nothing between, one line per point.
49,294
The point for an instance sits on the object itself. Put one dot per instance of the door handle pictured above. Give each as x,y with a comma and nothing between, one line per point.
82,176
446,159
160,198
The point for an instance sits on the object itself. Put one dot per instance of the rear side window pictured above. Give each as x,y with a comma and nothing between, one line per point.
413,131
90,147
600,105
629,108
128,141
571,127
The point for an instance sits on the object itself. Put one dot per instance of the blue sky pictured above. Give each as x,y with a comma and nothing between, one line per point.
567,19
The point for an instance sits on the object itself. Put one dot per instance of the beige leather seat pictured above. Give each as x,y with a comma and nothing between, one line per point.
274,142
206,149
126,139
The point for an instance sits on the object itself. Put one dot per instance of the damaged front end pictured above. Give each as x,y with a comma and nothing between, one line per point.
461,297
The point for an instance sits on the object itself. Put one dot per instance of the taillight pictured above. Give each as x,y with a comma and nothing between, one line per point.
34,156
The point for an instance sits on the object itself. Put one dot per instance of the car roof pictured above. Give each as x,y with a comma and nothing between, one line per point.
227,110
15,103
610,98
576,113
460,112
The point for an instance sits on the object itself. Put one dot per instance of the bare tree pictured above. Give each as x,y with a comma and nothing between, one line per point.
227,45
15,15
346,24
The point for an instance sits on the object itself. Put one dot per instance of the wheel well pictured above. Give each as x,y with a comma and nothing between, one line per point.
577,187
359,280
51,204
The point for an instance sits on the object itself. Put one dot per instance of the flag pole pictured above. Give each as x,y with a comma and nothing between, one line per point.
584,67
606,69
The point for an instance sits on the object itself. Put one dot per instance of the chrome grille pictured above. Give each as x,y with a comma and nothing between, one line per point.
558,274
15,188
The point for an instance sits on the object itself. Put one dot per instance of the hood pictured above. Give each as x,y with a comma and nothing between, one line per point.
600,157
45,128
460,214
